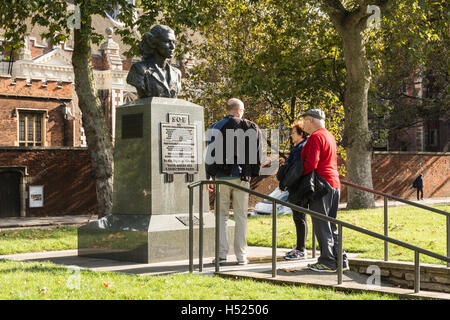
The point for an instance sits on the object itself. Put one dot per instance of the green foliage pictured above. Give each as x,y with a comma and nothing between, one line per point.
273,54
54,16
412,48
276,57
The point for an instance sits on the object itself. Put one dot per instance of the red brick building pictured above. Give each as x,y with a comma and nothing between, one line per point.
44,164
432,135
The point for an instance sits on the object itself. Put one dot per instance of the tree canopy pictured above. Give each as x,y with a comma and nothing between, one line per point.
280,57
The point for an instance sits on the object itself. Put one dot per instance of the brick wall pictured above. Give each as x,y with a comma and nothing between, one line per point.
394,173
69,188
59,131
65,173
21,88
37,50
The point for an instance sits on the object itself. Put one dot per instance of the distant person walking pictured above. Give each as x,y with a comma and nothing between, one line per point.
418,184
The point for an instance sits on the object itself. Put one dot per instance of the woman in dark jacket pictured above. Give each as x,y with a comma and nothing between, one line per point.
298,137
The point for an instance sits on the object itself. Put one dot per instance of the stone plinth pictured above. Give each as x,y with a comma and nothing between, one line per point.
151,198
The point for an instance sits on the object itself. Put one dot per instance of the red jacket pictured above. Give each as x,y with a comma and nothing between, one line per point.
319,153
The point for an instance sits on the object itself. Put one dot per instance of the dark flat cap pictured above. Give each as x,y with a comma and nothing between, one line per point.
315,113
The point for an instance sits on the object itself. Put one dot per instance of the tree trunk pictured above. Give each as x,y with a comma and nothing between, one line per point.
357,140
97,135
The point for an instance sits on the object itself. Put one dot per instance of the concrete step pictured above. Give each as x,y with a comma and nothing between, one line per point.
351,282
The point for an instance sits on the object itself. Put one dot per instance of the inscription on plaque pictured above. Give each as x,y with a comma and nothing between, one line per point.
132,126
179,118
179,145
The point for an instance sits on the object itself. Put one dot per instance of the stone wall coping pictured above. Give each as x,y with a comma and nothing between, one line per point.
21,148
424,153
401,265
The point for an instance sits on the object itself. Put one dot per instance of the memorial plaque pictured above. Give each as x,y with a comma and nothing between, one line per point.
178,145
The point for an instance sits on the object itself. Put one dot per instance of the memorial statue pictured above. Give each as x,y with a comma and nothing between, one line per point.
154,76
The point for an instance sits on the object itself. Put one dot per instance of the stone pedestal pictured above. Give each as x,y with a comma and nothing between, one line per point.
148,222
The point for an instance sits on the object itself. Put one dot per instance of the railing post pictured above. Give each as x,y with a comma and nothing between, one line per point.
200,229
386,229
313,242
191,230
416,272
448,240
340,253
217,226
274,240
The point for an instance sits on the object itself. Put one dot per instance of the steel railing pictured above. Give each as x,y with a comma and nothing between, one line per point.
341,225
386,215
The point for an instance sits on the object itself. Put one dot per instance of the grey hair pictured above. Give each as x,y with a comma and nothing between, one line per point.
148,43
317,121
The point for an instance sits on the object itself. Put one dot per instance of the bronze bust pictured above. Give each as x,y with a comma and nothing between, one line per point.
154,76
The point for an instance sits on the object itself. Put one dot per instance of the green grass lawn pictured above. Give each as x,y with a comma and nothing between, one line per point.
45,280
416,226
36,240
413,225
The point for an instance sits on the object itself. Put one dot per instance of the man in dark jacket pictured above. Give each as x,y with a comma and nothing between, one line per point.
233,156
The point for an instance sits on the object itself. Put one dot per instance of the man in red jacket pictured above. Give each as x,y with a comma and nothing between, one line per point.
319,154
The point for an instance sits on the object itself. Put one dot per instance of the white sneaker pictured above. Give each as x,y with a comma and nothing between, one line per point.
243,262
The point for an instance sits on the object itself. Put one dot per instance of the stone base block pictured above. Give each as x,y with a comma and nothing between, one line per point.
147,239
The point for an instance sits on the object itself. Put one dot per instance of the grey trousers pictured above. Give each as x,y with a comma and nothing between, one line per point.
240,209
326,232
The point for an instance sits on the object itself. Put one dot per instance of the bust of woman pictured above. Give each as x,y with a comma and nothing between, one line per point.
154,76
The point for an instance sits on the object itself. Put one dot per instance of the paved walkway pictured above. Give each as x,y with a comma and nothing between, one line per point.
28,222
259,268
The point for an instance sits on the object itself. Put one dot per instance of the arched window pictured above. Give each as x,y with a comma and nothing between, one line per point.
128,97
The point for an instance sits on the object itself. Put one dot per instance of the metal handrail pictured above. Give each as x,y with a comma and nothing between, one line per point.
418,205
389,196
314,214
